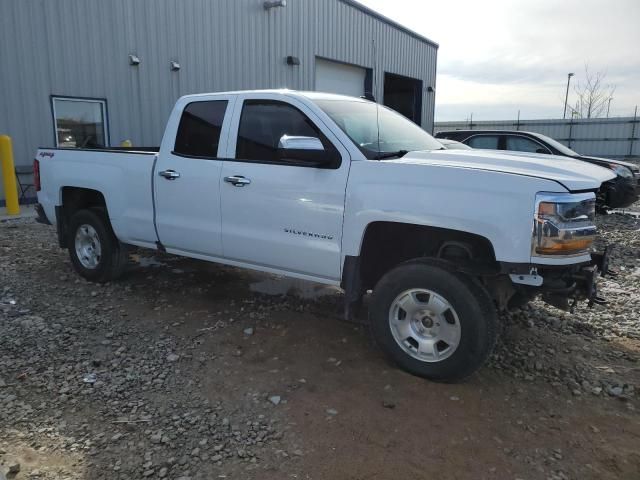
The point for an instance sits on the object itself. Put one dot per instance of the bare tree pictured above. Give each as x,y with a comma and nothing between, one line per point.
593,95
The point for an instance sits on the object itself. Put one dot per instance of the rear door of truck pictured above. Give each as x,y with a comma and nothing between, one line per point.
187,176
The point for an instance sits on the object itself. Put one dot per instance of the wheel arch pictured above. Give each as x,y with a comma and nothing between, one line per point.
73,199
385,245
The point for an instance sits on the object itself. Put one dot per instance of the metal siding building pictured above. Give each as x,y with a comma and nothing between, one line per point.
81,48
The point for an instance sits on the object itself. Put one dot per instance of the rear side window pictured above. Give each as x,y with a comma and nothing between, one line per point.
199,129
264,122
484,141
522,144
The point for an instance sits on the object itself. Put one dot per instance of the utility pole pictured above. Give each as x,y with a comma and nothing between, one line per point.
609,106
633,131
566,96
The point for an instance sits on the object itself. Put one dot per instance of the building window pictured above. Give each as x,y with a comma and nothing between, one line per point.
199,129
80,122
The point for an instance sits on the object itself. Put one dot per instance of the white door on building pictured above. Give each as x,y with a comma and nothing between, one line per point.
336,77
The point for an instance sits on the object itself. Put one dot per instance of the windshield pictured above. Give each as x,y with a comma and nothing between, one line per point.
360,120
557,145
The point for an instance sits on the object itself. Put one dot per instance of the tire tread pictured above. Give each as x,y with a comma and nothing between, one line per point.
471,291
114,251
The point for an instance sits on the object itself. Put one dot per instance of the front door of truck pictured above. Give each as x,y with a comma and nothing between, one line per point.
283,209
187,179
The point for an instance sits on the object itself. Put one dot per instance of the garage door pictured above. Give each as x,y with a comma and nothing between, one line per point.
335,77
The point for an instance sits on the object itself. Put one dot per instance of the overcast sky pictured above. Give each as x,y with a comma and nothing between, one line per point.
500,56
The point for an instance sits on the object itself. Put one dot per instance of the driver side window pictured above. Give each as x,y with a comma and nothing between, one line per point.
484,142
522,144
264,122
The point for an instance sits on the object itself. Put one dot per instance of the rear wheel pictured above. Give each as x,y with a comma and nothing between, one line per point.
96,253
432,322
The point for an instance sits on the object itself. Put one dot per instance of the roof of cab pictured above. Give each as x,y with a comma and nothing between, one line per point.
329,96
489,130
283,91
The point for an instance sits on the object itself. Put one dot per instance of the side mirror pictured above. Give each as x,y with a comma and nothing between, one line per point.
307,151
300,143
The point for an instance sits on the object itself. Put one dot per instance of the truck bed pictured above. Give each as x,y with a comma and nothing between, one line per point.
127,186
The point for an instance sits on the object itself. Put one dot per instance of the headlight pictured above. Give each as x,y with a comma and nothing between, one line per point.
620,170
563,224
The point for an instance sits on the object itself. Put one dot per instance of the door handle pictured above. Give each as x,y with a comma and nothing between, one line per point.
237,180
169,174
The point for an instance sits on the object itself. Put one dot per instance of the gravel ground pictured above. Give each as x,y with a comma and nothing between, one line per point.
586,368
187,370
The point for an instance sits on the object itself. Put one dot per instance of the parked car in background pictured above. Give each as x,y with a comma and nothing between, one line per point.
620,192
453,145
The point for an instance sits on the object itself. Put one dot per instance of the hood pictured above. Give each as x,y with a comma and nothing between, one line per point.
588,158
572,174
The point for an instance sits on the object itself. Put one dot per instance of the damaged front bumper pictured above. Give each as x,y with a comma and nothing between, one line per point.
563,286
565,289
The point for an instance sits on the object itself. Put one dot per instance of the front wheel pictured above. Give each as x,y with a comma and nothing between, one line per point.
96,253
432,322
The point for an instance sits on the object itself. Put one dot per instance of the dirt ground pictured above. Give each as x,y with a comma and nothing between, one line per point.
198,373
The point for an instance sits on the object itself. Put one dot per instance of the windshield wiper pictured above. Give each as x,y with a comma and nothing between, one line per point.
397,153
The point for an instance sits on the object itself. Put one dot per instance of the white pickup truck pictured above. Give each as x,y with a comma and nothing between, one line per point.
341,191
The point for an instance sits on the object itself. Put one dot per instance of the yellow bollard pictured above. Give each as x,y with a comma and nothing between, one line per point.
9,175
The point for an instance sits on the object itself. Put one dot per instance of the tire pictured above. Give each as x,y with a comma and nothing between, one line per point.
448,329
96,254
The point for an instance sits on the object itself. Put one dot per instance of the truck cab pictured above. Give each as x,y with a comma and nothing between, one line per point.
266,176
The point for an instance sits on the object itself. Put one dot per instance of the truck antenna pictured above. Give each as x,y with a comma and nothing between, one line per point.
374,87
